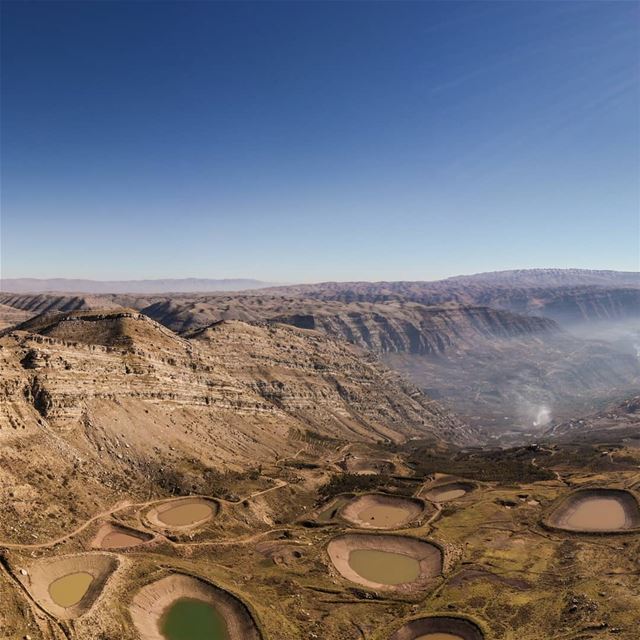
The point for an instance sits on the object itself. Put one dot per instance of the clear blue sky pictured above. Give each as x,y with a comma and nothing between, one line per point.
314,141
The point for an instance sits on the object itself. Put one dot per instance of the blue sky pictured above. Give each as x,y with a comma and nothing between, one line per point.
312,141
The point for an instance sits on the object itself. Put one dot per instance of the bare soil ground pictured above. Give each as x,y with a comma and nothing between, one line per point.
503,570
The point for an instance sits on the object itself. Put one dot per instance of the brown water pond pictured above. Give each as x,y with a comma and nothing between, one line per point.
384,516
386,561
183,513
449,491
119,540
439,628
598,513
381,511
113,536
385,567
597,510
68,586
69,590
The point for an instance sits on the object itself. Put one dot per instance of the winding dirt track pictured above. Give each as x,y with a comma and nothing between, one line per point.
126,504
120,506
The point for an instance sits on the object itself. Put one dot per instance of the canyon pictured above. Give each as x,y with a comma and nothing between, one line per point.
498,349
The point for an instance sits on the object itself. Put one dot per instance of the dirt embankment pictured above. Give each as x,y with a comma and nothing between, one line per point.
428,556
457,627
41,574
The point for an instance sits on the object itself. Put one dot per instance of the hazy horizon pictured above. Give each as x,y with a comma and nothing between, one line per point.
291,281
195,284
333,141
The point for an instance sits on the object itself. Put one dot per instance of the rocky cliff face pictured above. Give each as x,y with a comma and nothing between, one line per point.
47,303
486,364
565,304
68,364
490,345
569,296
417,329
96,404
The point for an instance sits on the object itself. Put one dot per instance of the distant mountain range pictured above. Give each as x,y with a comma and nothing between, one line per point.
357,290
551,277
170,285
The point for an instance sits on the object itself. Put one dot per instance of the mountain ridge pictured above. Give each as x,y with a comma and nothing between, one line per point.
161,285
216,356
509,277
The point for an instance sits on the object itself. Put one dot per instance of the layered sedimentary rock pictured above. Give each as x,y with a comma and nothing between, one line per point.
418,329
111,397
488,345
67,363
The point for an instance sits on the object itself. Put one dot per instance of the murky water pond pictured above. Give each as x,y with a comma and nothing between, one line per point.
185,514
451,494
596,509
192,619
384,567
70,589
439,628
385,516
598,514
449,491
120,540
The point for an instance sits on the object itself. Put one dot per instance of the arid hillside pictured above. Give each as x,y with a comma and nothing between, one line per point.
10,316
618,424
565,304
486,345
497,368
91,401
110,421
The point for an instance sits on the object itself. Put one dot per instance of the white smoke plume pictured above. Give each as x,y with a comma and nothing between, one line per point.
543,417
536,414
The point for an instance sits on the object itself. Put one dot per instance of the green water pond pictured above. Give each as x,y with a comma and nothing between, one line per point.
191,619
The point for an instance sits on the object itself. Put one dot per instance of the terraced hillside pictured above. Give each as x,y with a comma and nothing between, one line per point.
93,401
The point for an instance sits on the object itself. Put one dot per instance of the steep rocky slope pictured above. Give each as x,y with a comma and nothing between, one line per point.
565,304
616,424
381,327
10,316
488,364
568,296
498,368
48,303
93,401
418,329
81,356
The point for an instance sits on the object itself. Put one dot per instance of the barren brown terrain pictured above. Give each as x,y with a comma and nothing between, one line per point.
494,348
273,423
